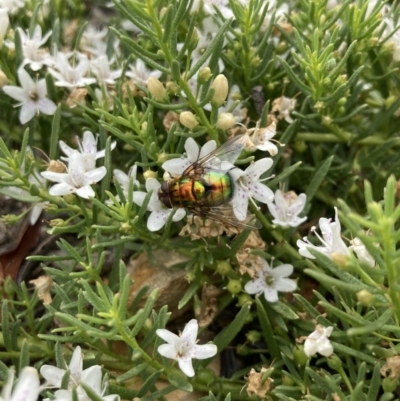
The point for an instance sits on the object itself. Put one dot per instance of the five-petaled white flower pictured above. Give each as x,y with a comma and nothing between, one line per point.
101,69
271,280
261,139
318,341
193,152
33,55
27,388
183,348
88,150
32,97
249,186
77,180
71,76
93,40
286,209
91,377
159,212
140,73
331,239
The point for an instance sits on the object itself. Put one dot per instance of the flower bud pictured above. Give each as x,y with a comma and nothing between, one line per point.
162,158
125,227
156,88
223,267
221,88
188,119
194,40
3,78
149,174
57,223
243,299
225,121
253,336
365,298
173,88
389,384
299,355
234,286
334,362
204,75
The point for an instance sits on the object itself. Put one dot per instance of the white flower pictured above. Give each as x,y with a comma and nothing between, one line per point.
101,69
361,251
205,36
331,239
124,180
32,97
159,212
271,280
33,55
4,22
77,180
88,150
12,6
93,40
27,388
261,138
193,152
183,348
140,73
286,208
318,341
248,186
90,377
71,76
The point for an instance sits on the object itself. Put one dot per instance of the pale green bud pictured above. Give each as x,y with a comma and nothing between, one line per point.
173,88
221,88
365,298
205,74
225,120
188,119
149,174
156,88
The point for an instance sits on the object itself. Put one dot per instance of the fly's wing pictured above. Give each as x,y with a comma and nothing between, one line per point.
228,152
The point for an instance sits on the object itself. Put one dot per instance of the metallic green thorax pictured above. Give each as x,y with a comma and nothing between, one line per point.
214,188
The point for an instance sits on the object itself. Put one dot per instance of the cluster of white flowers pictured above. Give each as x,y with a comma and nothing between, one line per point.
28,387
333,244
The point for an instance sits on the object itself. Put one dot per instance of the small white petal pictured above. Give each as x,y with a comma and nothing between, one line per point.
46,106
190,332
179,214
282,271
271,295
157,219
255,286
285,285
61,189
176,166
16,93
86,192
186,367
27,112
261,192
254,171
53,176
96,175
240,203
152,185
167,351
92,377
204,351
27,388
192,150
52,374
167,336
